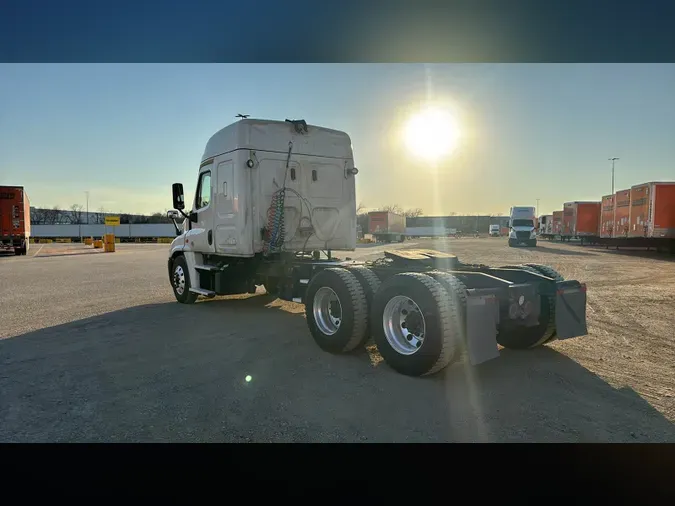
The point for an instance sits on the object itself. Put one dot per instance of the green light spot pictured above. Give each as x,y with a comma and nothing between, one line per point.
248,378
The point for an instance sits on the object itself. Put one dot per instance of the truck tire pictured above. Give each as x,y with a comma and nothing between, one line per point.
337,310
180,281
511,243
532,243
370,284
457,298
522,338
551,273
418,302
368,279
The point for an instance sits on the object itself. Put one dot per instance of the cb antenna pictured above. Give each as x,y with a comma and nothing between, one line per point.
242,116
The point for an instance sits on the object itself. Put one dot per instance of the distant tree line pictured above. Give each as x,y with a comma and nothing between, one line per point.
77,216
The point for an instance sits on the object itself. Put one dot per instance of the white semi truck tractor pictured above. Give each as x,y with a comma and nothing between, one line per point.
275,199
522,227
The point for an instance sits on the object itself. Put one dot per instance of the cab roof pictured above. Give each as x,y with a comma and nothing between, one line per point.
274,135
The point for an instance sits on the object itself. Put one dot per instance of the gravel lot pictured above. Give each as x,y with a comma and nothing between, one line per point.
94,348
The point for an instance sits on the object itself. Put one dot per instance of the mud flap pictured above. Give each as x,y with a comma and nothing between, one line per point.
570,310
482,318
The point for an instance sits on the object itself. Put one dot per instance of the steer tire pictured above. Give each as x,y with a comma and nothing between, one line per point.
352,329
521,338
187,297
441,337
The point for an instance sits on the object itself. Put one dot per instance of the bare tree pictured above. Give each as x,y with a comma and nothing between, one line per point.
392,208
413,213
52,216
99,216
38,216
74,216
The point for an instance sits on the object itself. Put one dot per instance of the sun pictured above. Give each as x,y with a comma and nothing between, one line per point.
432,134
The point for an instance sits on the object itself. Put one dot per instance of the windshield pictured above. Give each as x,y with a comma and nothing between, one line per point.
522,223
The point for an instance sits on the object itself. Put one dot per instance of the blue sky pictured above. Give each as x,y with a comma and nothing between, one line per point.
125,132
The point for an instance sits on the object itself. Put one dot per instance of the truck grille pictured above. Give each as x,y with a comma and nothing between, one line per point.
522,235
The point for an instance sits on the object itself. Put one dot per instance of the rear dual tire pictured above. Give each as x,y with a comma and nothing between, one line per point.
337,310
418,322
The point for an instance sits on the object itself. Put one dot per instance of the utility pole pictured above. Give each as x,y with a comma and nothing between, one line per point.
612,160
87,193
537,210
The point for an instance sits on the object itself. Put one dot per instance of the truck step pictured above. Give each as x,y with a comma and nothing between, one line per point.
206,293
209,268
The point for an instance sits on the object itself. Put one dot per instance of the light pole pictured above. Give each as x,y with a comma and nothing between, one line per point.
87,193
537,210
613,160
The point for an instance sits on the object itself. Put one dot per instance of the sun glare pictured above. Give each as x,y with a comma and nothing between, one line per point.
432,134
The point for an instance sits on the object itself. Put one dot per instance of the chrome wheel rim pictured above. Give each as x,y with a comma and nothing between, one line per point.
404,325
179,280
327,310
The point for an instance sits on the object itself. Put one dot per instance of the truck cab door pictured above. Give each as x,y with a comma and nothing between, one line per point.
200,235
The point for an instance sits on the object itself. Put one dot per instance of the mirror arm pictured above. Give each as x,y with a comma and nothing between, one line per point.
175,225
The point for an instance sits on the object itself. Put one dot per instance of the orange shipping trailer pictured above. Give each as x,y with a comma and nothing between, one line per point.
14,219
621,213
581,219
387,226
652,210
607,216
556,223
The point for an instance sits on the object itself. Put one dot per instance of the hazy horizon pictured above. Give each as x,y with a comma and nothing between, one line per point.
126,132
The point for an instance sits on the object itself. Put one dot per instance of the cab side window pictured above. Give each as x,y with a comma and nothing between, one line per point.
203,196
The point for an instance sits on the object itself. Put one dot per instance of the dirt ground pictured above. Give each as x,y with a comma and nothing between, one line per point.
94,348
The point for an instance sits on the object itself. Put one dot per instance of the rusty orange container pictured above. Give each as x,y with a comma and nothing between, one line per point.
556,223
607,216
581,219
652,210
14,218
621,213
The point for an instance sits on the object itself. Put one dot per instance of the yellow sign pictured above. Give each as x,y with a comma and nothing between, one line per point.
112,221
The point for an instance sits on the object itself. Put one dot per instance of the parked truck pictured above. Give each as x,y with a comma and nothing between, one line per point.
14,220
494,230
275,199
522,226
386,226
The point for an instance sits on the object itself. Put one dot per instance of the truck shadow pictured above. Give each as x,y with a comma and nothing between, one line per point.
247,369
545,248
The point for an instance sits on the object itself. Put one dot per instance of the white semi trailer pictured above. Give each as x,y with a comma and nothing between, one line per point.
274,199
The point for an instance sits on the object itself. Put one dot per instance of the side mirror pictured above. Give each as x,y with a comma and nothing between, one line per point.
178,196
173,214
